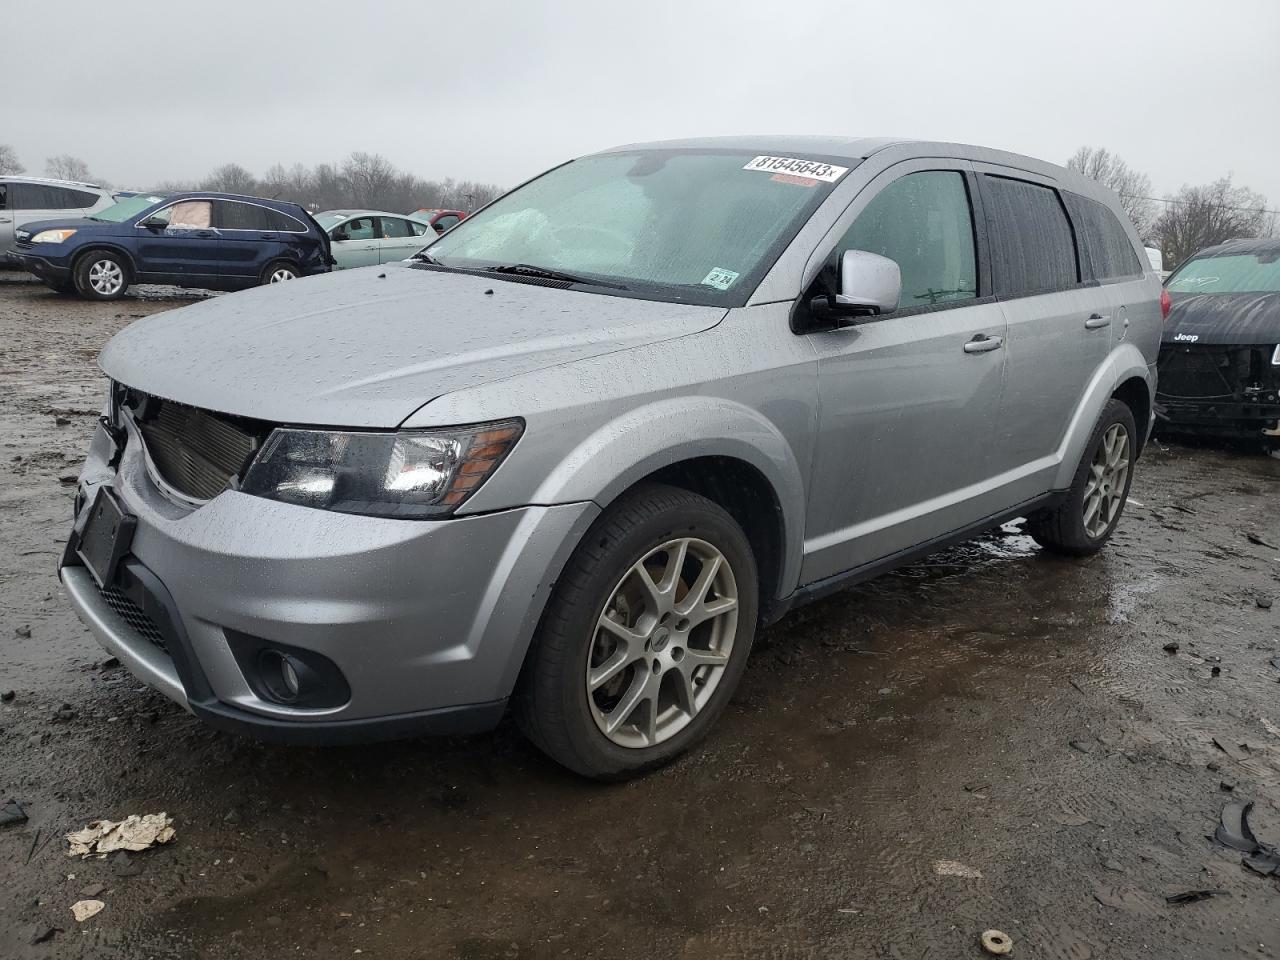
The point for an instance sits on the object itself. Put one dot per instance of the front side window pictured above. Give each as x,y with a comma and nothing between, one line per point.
186,215
446,221
1230,273
361,228
1032,248
4,197
923,223
690,225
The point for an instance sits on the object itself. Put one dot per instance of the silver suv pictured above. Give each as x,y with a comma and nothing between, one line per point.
572,456
27,199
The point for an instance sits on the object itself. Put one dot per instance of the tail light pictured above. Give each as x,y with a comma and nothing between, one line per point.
1166,304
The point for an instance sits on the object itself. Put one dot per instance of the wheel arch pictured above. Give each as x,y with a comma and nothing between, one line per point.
1136,395
130,265
722,450
1115,378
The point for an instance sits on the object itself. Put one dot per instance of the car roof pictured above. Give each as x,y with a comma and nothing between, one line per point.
1241,245
14,178
861,148
361,213
282,205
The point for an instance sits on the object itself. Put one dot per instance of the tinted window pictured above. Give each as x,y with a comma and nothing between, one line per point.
4,197
282,221
82,198
447,221
37,196
1032,247
233,215
393,228
923,223
1106,246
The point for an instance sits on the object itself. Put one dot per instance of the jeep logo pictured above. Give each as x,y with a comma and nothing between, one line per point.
1186,337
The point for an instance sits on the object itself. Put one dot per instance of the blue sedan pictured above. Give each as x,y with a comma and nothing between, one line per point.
212,241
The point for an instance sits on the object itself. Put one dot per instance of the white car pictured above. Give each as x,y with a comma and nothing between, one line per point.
362,238
27,199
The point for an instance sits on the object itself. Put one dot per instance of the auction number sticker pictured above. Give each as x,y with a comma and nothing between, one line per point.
813,169
720,278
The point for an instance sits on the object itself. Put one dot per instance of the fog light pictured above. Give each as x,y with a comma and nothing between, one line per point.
290,675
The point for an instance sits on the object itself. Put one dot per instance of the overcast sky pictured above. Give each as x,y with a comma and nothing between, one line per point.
497,91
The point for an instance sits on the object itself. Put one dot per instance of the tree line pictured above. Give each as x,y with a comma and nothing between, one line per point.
363,180
1195,217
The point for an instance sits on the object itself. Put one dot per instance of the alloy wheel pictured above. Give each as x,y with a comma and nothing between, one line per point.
106,278
281,274
662,643
1105,489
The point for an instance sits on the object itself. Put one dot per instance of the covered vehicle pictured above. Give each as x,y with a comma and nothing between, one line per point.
1220,358
212,241
362,238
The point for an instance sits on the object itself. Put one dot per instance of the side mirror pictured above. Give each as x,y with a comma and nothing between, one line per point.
870,286
155,223
340,235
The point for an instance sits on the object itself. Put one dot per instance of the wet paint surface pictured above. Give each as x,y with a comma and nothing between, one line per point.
991,705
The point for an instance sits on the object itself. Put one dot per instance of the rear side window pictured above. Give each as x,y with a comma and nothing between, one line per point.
4,197
233,215
419,229
1108,252
82,198
923,223
393,228
1033,249
37,196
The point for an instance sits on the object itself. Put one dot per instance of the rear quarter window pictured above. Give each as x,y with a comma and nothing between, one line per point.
1107,250
277,220
1032,246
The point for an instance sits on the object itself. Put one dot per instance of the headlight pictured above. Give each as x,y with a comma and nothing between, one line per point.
408,474
52,236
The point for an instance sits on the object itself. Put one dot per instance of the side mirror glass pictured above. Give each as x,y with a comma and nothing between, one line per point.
870,286
340,235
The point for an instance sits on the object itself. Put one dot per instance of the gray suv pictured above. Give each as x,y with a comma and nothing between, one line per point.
572,456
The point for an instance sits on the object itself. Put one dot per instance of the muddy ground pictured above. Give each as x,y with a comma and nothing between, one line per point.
993,706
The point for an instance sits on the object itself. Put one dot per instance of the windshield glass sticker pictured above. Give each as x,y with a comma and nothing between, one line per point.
720,278
813,169
794,180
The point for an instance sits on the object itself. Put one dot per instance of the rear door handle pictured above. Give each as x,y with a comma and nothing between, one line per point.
1097,321
983,344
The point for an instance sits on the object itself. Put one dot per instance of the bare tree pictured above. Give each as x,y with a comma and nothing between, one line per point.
9,163
66,167
1134,188
1199,217
370,178
230,178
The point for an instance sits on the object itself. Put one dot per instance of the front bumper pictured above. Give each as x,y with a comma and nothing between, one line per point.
428,621
1237,417
42,267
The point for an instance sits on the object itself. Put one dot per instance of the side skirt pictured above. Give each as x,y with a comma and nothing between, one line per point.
867,571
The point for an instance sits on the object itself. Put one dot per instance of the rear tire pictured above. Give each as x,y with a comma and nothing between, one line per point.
101,275
280,271
671,577
1082,523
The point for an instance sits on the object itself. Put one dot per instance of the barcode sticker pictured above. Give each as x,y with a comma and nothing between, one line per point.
813,169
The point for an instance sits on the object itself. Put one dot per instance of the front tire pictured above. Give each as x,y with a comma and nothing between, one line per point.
1085,520
645,637
101,275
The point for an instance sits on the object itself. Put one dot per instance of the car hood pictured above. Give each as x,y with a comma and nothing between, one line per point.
368,347
1224,318
76,223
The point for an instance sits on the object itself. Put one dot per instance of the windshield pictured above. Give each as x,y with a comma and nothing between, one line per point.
700,226
126,209
1236,273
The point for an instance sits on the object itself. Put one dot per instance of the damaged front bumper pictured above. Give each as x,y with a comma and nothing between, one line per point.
1225,390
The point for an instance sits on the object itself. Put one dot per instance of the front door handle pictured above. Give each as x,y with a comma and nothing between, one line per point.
1097,321
983,344
5,219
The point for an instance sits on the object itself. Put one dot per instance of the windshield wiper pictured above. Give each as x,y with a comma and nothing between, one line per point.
529,270
423,257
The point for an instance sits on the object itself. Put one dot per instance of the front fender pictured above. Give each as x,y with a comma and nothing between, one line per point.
643,440
1125,362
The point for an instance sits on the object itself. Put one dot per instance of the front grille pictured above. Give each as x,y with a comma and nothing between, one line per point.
134,616
1217,372
197,452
